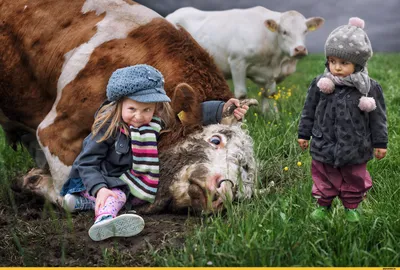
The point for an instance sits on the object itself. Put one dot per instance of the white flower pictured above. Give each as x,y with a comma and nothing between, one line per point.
344,36
357,52
351,44
334,39
340,46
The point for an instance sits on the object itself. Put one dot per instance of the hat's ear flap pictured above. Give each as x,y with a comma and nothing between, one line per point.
187,106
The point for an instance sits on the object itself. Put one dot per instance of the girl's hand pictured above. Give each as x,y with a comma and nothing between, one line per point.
101,197
239,112
303,143
380,153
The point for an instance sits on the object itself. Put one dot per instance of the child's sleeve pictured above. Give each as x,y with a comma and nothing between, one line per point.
307,115
88,163
377,119
212,112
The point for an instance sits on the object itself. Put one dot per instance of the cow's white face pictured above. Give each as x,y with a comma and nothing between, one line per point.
292,29
222,169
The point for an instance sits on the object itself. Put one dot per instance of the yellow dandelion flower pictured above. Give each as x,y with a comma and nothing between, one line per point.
299,163
286,169
269,123
259,94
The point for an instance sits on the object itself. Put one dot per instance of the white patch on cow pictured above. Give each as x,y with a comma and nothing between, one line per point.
59,171
121,18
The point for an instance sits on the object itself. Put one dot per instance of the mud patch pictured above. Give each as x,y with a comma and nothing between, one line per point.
36,233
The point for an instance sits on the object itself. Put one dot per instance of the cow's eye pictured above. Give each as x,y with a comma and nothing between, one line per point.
284,33
215,140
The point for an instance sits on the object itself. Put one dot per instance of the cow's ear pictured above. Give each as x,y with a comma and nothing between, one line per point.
186,105
314,23
271,25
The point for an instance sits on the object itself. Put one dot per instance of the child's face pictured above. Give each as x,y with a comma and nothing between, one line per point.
340,67
136,113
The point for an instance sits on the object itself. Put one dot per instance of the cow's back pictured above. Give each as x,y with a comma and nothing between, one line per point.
228,34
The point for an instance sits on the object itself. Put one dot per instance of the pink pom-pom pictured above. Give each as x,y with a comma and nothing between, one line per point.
326,85
355,21
367,104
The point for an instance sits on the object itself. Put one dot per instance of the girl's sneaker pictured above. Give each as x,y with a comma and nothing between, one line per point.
320,213
121,226
73,203
352,215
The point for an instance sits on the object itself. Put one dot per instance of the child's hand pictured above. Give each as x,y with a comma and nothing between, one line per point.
101,197
380,153
239,112
303,143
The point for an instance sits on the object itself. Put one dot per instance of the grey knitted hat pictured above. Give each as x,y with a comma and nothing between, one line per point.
350,42
142,83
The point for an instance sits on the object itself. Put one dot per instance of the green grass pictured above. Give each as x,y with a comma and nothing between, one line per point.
274,229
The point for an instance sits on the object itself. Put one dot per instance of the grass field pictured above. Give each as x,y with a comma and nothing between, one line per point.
274,229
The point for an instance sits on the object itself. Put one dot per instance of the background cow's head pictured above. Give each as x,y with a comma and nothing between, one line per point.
291,30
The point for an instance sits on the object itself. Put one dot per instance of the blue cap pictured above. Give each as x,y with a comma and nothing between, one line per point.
141,83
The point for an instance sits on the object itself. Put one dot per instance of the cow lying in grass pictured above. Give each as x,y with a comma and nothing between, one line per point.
53,78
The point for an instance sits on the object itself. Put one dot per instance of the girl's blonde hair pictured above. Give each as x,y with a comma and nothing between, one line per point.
112,113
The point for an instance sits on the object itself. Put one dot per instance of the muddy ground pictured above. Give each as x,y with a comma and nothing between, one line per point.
36,233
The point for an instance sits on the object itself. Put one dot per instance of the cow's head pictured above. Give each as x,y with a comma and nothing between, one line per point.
208,168
291,30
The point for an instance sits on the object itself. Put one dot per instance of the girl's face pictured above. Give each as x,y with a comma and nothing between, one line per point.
340,67
136,113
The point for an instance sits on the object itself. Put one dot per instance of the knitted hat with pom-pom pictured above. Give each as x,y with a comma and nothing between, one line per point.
350,42
142,83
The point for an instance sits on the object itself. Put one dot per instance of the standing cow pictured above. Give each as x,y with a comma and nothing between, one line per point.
256,43
55,61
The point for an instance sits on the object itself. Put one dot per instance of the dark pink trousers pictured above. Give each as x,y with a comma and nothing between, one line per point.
350,183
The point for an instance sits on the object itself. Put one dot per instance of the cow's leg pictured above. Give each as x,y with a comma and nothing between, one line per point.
40,182
238,69
270,90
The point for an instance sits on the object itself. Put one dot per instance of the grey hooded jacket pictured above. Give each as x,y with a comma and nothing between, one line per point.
341,133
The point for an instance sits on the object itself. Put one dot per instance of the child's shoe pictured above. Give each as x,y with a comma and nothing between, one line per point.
73,203
320,213
352,215
121,226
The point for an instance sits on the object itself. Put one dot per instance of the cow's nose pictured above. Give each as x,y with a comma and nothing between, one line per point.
228,189
300,51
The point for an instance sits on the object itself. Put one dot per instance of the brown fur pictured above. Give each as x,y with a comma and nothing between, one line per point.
34,41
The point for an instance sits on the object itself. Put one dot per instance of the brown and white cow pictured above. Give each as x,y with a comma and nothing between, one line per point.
257,43
56,58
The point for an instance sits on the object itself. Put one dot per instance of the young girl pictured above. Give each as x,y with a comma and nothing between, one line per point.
119,159
345,115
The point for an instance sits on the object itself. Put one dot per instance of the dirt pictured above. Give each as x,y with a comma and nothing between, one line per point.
36,233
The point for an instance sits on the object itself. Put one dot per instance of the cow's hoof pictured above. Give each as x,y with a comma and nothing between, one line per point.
33,178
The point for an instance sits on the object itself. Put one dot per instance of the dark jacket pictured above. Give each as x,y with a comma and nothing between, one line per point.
341,133
101,164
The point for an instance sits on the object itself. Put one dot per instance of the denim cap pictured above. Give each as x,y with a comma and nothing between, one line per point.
141,83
